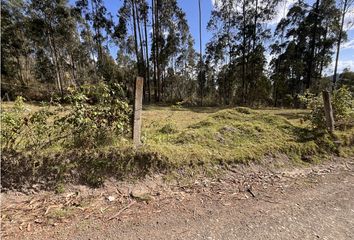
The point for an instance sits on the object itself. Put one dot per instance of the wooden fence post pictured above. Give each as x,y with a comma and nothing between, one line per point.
138,106
328,111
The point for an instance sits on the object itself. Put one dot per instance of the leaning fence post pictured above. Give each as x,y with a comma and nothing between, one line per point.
138,105
328,111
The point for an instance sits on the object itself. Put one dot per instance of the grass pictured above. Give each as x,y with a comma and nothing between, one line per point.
209,135
187,139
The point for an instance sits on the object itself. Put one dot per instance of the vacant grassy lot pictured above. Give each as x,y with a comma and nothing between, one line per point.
184,138
206,135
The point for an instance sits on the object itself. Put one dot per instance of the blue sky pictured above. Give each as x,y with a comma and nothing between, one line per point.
191,9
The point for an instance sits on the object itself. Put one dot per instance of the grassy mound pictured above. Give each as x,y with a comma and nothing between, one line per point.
235,136
186,140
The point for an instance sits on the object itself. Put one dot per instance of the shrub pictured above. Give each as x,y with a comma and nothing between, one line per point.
342,104
12,124
84,125
92,125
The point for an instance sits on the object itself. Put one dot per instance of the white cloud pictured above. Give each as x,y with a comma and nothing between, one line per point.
348,45
281,11
349,20
283,8
345,64
342,64
215,3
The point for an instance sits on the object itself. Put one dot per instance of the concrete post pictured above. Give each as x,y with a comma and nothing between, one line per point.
328,111
138,106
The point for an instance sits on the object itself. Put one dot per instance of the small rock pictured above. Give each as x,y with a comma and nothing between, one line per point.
307,158
111,198
228,129
219,137
142,194
39,221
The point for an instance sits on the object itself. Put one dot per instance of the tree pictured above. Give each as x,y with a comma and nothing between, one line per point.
344,10
135,13
305,39
170,39
239,34
15,47
100,20
201,82
51,28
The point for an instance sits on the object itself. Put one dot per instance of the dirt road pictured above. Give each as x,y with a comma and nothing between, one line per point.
311,203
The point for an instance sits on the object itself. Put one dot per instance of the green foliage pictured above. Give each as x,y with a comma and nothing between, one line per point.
347,79
21,128
317,115
12,124
85,125
92,125
342,104
294,50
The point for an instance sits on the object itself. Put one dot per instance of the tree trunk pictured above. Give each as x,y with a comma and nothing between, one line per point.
56,64
20,75
323,52
253,77
142,61
73,70
97,32
244,53
136,40
339,43
313,47
201,55
147,80
157,38
154,48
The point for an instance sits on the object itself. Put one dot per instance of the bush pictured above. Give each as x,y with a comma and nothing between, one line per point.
91,125
84,125
342,104
12,124
20,128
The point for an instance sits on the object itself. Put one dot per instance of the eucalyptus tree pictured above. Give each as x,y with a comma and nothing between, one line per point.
15,46
134,14
51,29
171,38
100,21
238,42
201,82
306,38
345,5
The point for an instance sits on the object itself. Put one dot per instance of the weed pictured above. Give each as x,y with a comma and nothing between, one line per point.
169,128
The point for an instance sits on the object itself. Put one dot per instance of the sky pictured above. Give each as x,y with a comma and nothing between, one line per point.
190,7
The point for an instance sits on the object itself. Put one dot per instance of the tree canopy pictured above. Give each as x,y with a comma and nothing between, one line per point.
49,46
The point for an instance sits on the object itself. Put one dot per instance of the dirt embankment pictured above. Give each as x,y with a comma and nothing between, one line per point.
251,202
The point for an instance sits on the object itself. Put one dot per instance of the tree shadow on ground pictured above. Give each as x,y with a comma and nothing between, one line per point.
91,167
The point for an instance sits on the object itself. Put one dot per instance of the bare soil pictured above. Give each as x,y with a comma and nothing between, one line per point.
248,202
